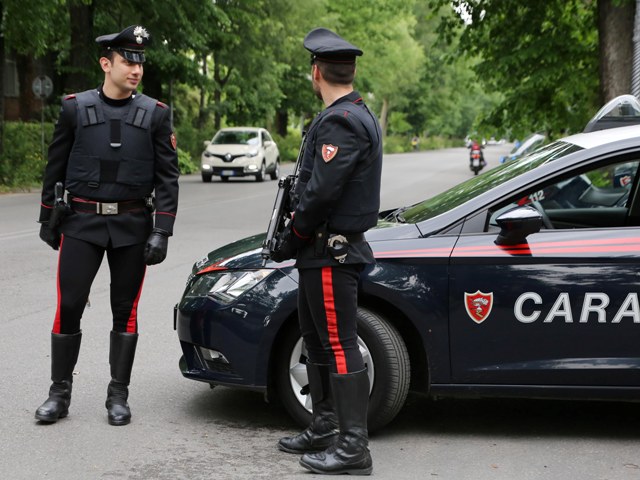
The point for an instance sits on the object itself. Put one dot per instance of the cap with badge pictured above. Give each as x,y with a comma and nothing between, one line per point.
328,46
129,43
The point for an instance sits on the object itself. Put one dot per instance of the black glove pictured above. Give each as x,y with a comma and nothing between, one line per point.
288,245
49,236
156,249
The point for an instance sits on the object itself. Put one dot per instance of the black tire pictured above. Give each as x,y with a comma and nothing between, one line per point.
262,173
276,170
206,177
390,367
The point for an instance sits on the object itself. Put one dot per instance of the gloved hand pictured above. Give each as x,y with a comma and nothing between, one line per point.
288,243
156,249
50,237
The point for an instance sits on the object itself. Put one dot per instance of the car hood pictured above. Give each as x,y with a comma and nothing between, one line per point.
246,253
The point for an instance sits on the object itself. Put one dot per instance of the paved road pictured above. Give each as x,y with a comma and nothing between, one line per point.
183,430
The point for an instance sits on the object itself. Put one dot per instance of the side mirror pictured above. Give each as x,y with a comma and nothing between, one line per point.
206,143
267,143
516,224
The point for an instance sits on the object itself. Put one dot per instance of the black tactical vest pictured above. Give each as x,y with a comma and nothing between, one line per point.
357,209
112,158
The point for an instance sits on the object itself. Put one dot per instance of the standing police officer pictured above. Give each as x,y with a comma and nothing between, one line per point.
337,197
112,147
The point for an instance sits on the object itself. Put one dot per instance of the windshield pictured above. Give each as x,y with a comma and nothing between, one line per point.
476,186
239,137
527,144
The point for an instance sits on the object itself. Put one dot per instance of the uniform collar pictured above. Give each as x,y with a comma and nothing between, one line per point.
353,97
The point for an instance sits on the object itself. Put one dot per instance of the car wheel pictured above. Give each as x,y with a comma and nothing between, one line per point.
224,178
276,170
262,173
206,177
384,353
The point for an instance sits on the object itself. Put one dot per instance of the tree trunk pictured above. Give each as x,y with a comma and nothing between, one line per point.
383,116
202,114
615,28
82,60
2,59
282,121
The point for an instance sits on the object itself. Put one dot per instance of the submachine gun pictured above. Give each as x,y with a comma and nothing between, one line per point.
282,208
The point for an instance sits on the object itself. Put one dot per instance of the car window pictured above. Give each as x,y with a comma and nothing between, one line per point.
470,189
595,198
236,138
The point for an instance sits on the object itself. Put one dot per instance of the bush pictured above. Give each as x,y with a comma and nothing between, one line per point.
288,146
186,164
402,143
22,163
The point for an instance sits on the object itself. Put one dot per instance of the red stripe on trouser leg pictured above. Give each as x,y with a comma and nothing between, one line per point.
332,320
56,320
132,324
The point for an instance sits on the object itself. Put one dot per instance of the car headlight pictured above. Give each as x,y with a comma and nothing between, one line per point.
252,153
208,154
226,286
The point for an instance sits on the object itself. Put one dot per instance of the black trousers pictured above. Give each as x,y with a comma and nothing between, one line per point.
78,264
327,305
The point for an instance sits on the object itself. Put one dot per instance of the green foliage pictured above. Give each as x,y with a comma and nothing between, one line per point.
402,143
186,163
288,146
541,57
22,164
191,140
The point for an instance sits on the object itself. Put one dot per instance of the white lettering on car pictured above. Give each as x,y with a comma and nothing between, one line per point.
629,308
561,308
588,307
593,303
517,308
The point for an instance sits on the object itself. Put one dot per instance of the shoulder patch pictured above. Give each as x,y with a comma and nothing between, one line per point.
162,105
329,151
69,97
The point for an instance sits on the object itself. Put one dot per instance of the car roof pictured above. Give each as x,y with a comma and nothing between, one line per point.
603,137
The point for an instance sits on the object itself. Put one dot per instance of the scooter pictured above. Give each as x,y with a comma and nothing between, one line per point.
476,160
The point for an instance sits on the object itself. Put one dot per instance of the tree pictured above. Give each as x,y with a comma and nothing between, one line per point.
541,56
392,60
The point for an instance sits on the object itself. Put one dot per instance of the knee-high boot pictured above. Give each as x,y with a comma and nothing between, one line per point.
323,430
64,355
350,453
121,354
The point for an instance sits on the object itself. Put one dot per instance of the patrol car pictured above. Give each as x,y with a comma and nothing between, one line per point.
523,281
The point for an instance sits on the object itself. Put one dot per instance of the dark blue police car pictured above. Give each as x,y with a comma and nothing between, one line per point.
523,281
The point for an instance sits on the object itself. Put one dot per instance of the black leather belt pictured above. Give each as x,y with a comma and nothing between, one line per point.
106,208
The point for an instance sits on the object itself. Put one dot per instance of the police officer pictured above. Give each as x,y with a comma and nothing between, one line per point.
112,148
337,197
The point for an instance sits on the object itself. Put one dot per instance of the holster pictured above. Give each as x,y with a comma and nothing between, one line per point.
320,241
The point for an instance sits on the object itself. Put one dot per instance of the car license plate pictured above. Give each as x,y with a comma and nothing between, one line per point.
227,173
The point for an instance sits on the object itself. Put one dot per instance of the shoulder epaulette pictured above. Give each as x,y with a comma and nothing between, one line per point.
162,105
69,97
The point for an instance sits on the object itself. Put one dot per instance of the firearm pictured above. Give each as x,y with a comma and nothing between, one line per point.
59,207
282,208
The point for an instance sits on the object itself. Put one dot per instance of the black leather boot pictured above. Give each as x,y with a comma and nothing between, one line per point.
350,453
121,354
64,355
323,430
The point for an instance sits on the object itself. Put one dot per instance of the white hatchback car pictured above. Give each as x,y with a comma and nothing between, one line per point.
240,152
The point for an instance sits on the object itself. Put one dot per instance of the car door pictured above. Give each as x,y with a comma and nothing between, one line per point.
562,308
269,146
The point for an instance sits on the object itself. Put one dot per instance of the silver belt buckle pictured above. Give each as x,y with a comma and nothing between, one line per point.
106,208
